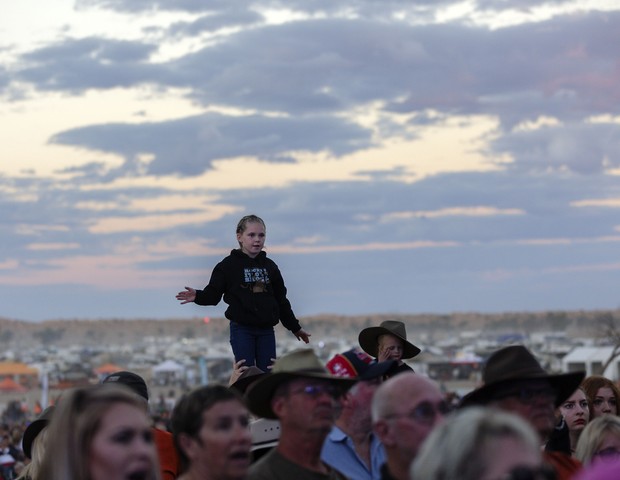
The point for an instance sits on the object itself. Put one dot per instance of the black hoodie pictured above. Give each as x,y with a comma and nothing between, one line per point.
254,290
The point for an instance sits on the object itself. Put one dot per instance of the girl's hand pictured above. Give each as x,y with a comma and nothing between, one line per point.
238,369
187,296
301,334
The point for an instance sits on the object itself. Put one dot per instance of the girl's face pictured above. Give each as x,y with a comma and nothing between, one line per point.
123,446
575,411
604,402
222,445
252,239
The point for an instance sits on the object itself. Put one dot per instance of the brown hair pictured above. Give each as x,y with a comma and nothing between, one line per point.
592,384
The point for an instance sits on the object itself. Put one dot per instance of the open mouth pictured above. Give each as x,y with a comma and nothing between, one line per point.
139,475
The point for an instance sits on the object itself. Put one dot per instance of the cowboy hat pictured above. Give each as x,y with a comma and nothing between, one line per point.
369,338
517,363
34,428
249,376
302,363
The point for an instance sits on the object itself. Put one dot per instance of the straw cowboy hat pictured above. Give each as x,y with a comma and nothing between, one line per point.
302,363
369,338
517,363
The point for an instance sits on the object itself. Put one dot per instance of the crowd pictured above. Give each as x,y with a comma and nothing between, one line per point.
363,416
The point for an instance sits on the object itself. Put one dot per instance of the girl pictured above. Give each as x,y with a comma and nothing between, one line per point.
254,290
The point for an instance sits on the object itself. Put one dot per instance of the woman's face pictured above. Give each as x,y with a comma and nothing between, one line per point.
222,445
575,411
604,402
123,448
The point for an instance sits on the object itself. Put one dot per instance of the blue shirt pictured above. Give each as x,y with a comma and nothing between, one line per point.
339,452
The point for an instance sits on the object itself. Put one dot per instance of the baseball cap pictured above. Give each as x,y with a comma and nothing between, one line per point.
355,363
131,380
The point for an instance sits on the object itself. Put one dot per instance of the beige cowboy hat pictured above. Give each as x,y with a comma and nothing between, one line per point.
302,363
368,338
516,363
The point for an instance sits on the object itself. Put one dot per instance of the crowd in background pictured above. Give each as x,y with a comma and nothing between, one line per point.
364,415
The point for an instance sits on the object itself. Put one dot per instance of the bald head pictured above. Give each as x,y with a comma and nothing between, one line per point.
405,409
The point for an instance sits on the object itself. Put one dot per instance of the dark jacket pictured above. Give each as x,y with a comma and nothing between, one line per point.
254,290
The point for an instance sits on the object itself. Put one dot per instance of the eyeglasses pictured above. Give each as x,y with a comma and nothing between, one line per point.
316,390
608,453
424,412
544,472
529,395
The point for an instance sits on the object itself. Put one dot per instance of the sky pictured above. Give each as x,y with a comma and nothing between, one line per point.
434,156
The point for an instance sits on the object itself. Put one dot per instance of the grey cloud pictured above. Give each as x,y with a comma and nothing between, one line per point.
189,146
215,22
80,64
328,65
585,149
309,209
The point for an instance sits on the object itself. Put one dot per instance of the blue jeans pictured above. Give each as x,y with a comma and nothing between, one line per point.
256,345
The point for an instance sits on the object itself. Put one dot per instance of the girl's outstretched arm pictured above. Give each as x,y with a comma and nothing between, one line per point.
187,296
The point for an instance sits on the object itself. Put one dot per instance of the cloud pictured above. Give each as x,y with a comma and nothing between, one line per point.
190,146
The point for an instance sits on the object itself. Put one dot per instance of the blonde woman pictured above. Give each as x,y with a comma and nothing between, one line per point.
100,433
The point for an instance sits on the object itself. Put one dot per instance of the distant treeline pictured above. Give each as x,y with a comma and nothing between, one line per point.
94,332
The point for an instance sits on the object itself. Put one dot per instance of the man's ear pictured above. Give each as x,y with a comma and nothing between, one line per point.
382,430
277,405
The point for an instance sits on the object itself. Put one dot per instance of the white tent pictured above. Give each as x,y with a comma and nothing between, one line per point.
591,360
169,366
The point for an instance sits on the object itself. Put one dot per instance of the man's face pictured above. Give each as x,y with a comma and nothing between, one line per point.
533,400
417,408
360,398
308,405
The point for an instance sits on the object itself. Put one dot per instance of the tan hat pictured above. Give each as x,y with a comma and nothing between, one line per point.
516,363
302,363
369,338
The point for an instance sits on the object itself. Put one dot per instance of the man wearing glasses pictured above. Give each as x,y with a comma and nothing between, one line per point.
405,409
302,394
514,381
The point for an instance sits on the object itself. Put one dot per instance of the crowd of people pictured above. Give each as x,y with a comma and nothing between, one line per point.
360,416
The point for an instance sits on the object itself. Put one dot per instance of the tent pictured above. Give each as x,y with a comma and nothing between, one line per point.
107,369
169,366
9,385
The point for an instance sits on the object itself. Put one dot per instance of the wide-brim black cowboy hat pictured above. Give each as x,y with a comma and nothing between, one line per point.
302,363
514,364
368,338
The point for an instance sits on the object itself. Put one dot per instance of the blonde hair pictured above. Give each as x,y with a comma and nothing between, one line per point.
33,470
76,421
591,436
458,448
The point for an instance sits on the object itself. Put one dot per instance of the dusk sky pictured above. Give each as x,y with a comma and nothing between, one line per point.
407,156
